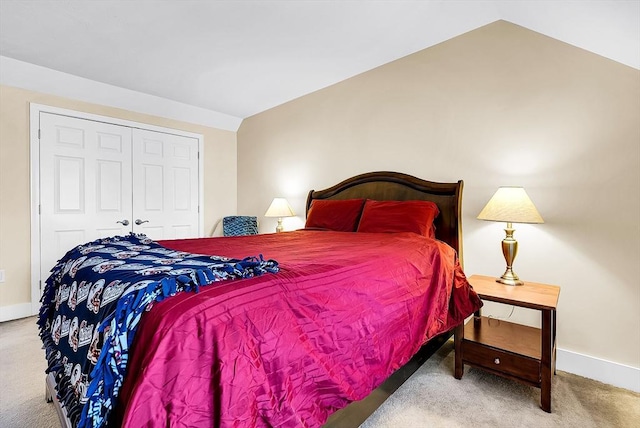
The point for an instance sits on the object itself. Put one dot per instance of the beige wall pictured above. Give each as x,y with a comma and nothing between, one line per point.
500,105
219,178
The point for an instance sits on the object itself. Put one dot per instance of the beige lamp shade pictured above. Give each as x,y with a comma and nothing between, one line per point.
279,208
510,205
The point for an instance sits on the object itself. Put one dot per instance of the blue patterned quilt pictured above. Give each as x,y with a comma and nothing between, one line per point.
92,304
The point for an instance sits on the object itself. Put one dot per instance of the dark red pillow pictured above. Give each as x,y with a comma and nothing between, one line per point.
399,216
333,214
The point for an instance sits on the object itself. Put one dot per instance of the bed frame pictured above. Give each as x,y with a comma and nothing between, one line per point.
382,186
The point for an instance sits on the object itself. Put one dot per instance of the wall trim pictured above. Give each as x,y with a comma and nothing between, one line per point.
615,374
14,312
41,79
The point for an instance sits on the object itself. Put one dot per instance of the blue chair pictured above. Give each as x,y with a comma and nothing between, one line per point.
239,225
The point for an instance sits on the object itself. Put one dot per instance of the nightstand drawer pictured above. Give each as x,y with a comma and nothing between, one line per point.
501,361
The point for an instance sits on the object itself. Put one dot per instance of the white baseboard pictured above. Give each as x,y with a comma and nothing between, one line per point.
14,312
615,374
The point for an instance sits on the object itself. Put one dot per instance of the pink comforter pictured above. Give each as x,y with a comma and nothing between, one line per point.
288,349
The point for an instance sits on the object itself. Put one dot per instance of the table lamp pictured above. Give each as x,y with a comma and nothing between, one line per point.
279,208
510,205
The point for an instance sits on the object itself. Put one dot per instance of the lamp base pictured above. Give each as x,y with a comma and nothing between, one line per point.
509,278
509,250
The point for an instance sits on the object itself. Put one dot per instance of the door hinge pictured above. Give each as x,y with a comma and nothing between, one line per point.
39,134
40,284
198,209
39,209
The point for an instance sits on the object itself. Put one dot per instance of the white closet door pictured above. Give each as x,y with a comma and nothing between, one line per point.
85,184
165,185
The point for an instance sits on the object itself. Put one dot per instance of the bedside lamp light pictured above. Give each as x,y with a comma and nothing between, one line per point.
510,205
279,208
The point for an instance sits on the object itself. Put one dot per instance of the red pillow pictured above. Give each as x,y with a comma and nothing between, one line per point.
333,214
399,216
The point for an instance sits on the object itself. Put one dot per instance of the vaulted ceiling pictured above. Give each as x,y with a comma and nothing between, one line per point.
243,57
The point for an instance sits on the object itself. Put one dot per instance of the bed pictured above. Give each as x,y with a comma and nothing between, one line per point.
343,313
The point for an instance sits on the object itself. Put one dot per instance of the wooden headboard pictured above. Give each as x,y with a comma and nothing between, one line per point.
396,186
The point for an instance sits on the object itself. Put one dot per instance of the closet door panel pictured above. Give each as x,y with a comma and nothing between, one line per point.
165,183
85,183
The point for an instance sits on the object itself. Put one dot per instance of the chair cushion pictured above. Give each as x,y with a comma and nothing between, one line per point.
239,225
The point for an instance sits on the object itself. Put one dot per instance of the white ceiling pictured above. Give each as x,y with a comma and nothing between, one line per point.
243,57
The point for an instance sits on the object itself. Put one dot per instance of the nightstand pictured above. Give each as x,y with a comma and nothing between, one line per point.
522,353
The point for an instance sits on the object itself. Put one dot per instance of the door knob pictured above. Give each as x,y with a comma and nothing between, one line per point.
124,222
139,222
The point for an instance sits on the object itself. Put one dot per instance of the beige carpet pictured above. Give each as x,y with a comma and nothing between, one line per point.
430,398
22,366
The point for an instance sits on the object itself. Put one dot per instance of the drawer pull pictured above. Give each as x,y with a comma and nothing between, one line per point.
497,361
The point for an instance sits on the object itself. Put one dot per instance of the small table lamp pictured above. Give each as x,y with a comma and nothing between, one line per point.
511,205
279,208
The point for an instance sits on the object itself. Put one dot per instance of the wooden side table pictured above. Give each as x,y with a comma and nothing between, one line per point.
522,353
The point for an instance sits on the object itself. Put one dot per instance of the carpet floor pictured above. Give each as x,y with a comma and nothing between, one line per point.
432,397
